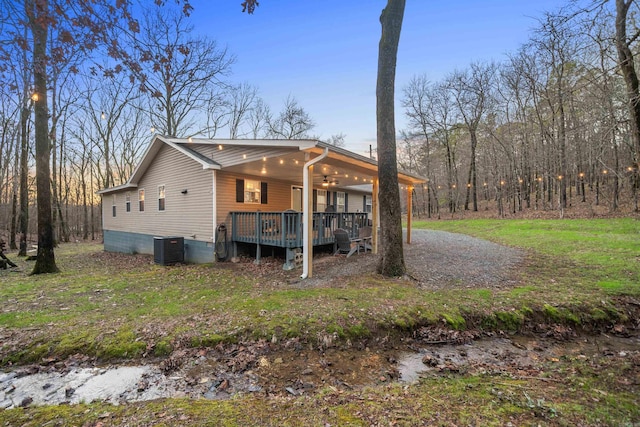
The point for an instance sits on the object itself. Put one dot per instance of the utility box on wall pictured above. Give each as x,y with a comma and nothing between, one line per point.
168,250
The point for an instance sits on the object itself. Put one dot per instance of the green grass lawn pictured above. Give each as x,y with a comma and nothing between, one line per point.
115,305
579,273
605,252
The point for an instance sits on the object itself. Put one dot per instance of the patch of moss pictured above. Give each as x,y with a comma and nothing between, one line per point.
456,321
162,348
123,344
32,354
334,328
510,320
526,311
358,331
560,315
210,340
78,342
599,315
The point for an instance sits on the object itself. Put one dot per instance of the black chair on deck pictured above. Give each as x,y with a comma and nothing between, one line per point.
345,245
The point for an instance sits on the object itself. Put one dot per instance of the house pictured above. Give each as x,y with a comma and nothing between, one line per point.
218,193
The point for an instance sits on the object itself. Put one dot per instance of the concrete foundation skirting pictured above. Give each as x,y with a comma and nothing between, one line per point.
195,251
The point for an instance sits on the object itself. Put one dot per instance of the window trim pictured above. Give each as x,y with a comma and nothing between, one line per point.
341,207
326,202
127,201
141,200
162,198
114,202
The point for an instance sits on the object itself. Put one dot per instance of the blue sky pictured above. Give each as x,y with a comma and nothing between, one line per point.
325,52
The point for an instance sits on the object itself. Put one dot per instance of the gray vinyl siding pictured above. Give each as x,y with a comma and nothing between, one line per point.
185,215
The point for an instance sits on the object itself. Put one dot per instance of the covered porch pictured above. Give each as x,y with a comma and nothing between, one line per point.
309,167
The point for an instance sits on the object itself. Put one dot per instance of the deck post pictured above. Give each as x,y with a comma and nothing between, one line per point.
409,211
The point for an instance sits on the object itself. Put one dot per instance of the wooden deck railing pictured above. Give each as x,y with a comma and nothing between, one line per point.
284,229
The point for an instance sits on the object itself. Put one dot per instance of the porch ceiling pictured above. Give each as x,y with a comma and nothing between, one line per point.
340,170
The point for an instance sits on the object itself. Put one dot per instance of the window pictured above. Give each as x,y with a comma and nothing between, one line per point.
161,197
321,201
141,199
113,205
127,202
368,204
251,191
340,201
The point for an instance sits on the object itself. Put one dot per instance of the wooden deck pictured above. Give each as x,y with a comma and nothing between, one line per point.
284,229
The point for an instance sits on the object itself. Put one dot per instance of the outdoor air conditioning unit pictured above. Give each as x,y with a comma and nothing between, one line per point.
168,250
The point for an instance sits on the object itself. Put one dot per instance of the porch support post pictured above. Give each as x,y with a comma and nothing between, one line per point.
374,216
308,223
214,216
409,211
307,214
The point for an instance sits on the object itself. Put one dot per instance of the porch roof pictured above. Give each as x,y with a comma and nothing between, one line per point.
279,159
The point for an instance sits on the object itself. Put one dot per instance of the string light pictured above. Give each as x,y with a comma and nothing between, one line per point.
35,97
219,147
103,116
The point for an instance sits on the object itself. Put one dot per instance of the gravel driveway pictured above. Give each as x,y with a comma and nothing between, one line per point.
437,260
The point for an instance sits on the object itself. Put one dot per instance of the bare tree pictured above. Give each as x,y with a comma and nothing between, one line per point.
430,108
472,92
293,122
391,262
242,100
337,140
259,119
176,70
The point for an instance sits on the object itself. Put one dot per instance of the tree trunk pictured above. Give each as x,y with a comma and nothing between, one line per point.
45,261
472,180
23,215
626,62
14,199
391,262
